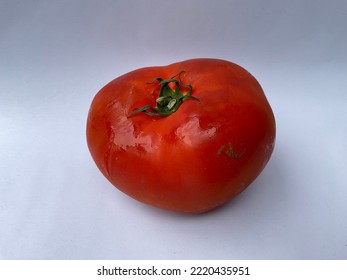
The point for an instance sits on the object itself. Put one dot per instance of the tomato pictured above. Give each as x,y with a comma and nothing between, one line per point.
186,137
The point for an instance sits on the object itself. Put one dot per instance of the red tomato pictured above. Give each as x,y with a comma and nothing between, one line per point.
186,137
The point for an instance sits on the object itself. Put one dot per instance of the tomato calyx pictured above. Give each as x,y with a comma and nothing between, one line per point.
170,98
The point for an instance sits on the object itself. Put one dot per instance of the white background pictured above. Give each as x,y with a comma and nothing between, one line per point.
55,56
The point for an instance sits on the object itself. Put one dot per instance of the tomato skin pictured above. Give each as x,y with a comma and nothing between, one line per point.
195,159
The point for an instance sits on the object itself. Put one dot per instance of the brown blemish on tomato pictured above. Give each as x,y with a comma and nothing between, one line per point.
229,151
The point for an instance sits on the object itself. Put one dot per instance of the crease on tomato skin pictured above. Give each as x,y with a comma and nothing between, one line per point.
107,153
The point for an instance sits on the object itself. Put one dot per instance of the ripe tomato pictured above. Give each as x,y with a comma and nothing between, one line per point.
185,137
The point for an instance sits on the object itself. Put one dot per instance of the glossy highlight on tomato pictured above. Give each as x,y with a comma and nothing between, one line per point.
186,137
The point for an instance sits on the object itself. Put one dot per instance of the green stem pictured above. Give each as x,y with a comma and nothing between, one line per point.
169,99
